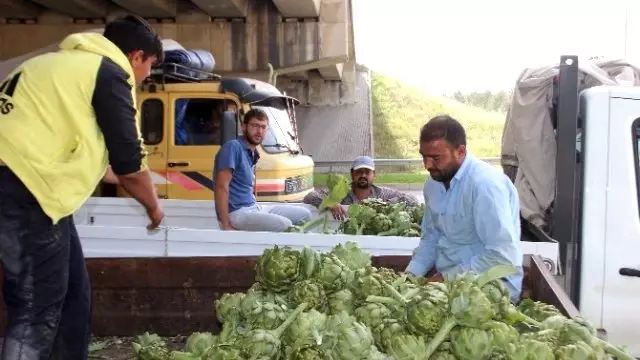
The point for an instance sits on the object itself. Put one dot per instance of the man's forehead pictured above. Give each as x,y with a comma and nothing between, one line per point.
434,147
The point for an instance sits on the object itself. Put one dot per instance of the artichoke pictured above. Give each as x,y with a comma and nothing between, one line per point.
537,310
150,347
501,335
310,262
199,342
278,268
468,305
228,306
578,351
380,223
310,292
372,314
307,328
224,352
424,317
264,315
260,343
386,330
333,274
368,283
348,339
572,331
471,343
342,300
305,352
529,349
255,297
406,347
352,255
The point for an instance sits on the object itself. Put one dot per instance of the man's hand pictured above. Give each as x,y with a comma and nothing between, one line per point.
338,212
156,216
226,227
437,277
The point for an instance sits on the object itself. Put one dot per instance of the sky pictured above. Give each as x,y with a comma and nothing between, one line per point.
476,45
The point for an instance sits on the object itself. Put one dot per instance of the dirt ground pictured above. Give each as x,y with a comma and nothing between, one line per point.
120,348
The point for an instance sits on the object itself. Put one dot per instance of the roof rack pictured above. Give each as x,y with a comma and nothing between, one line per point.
173,72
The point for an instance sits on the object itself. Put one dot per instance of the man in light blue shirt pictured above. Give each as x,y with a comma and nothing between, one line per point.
472,212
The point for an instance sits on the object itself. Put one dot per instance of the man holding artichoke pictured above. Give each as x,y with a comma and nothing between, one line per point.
472,212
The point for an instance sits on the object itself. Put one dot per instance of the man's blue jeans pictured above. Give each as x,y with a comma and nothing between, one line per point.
46,286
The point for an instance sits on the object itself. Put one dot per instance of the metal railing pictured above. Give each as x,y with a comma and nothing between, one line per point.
343,165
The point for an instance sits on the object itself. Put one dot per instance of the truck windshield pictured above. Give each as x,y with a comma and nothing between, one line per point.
279,136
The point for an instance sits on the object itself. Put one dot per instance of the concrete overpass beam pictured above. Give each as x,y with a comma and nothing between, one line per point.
150,8
298,8
77,8
223,8
333,35
19,9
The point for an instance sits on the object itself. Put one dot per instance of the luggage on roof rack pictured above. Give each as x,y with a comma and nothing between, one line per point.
182,65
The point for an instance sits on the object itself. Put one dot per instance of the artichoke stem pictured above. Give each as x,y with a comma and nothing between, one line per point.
280,329
612,350
439,337
306,227
381,300
394,293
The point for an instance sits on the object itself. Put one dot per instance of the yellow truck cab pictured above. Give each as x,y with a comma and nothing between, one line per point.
182,113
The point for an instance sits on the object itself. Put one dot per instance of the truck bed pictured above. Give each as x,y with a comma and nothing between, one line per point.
174,296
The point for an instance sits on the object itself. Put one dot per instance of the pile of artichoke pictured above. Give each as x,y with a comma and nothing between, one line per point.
380,218
307,305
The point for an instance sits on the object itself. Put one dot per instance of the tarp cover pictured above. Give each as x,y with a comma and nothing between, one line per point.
529,139
196,59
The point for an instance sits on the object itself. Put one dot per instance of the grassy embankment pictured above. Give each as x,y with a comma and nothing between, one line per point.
399,112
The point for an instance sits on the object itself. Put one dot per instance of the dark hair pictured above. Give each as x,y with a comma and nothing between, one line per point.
444,127
255,114
132,33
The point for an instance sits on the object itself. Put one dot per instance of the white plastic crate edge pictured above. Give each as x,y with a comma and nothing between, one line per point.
122,241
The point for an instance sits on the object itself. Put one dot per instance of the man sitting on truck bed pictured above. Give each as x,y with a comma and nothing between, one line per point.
234,184
472,214
363,173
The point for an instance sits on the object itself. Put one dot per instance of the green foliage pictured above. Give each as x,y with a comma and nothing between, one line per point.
400,111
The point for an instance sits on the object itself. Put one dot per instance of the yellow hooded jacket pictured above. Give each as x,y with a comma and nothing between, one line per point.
49,136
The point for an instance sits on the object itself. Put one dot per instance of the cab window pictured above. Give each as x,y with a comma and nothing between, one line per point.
152,117
198,121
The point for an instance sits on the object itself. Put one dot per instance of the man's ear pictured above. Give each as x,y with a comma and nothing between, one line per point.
461,150
136,55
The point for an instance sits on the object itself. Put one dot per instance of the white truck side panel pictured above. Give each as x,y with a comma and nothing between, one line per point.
115,227
594,106
620,314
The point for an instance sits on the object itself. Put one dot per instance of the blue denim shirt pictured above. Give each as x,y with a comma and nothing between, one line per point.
472,226
237,156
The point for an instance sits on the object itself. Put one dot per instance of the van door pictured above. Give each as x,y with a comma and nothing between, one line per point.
153,127
620,314
195,140
154,132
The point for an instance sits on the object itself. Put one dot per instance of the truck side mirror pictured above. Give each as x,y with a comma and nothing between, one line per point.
229,127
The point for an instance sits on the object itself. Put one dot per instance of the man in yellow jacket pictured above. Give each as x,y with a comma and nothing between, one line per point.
68,119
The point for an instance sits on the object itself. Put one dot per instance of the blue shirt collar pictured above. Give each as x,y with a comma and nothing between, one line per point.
464,168
253,153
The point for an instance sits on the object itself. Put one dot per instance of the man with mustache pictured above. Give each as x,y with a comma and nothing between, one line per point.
472,214
363,173
234,184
